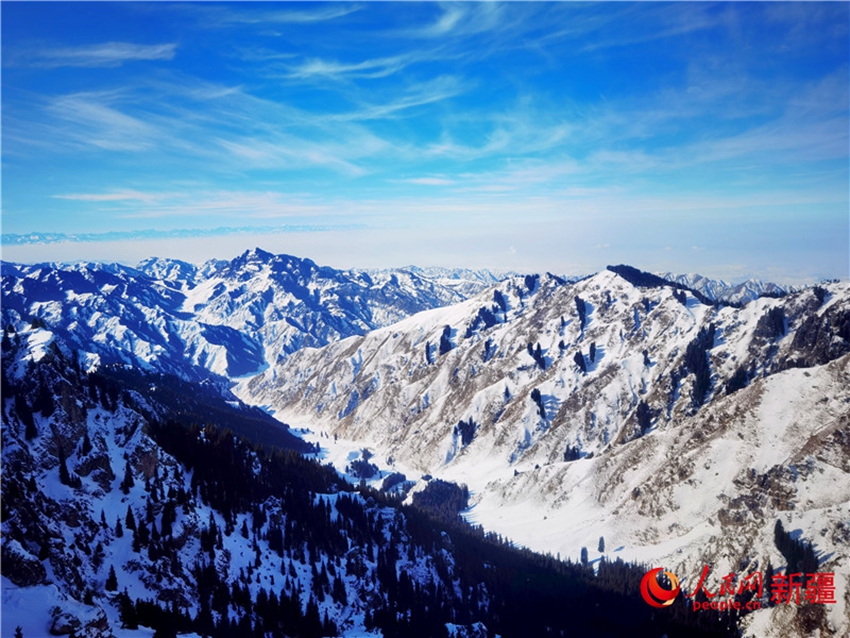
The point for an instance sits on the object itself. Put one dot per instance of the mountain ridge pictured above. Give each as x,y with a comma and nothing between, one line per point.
522,391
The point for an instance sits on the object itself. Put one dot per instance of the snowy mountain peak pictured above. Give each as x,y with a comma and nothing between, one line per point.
722,291
228,318
170,270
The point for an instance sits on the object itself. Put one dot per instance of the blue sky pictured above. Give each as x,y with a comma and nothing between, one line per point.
690,137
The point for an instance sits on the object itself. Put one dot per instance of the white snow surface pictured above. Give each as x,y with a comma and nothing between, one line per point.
689,492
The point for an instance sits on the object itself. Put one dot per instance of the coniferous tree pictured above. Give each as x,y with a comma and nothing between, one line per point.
64,475
87,447
738,380
128,481
98,555
601,544
44,402
572,453
127,611
24,412
644,417
119,529
130,520
111,580
445,340
581,308
579,359
538,399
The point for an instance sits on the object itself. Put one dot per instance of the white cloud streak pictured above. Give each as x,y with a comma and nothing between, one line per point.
116,196
219,17
108,54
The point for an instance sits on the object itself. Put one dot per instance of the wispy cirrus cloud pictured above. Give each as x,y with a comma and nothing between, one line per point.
667,21
105,55
317,68
96,120
430,181
436,90
220,16
115,196
462,19
199,202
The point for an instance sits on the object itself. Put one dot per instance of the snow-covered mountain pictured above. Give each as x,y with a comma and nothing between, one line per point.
679,431
231,318
722,291
616,407
123,517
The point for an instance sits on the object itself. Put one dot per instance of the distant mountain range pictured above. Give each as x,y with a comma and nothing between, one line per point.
229,318
719,290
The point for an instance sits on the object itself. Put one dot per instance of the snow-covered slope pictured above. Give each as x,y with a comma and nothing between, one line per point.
678,431
121,519
231,318
410,384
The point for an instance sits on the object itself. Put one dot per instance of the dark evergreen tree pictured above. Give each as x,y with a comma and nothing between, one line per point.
87,447
572,453
130,520
111,580
500,300
24,412
644,417
489,349
799,554
584,558
466,431
445,340
738,380
44,402
579,359
771,325
592,356
581,308
696,361
65,477
128,480
127,611
538,399
538,357
601,544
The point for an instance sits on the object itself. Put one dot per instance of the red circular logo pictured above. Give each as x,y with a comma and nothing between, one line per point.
654,593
